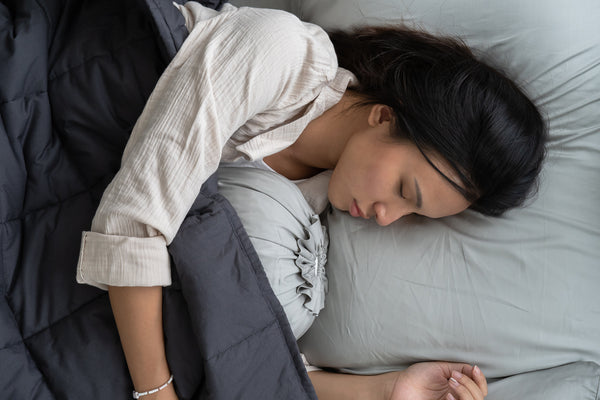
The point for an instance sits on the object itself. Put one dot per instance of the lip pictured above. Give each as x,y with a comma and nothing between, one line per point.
355,211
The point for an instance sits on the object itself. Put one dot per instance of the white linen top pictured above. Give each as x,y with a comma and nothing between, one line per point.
245,83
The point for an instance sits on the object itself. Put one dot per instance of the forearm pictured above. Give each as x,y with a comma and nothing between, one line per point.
334,386
138,314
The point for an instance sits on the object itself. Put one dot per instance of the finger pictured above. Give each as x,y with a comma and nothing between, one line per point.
465,387
474,373
480,380
460,391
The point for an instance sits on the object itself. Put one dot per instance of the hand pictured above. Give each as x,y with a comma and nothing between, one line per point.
431,381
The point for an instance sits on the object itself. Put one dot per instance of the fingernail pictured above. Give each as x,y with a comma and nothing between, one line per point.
476,370
457,375
450,397
454,382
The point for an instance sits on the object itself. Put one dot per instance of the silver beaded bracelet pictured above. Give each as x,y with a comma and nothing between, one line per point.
137,395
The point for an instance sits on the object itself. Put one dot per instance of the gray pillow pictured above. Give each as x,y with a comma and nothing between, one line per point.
576,381
514,294
287,236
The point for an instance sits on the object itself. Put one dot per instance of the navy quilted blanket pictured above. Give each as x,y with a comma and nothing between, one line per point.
74,76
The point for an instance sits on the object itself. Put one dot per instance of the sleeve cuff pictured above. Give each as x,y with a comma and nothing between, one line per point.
110,260
309,368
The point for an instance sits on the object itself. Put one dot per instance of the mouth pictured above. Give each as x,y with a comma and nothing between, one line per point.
355,211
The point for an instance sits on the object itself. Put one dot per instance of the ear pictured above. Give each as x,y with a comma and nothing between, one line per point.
380,114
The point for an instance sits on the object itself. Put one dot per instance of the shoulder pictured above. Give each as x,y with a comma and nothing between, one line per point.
273,50
274,34
269,21
302,51
287,34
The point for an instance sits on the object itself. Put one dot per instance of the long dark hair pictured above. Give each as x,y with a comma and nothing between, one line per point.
447,101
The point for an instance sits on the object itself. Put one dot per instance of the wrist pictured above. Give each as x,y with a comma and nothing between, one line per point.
146,379
167,394
164,391
379,387
389,384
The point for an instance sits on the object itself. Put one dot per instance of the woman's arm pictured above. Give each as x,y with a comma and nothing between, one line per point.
138,314
334,386
227,71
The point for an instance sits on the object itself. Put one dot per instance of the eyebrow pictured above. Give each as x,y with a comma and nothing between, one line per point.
419,195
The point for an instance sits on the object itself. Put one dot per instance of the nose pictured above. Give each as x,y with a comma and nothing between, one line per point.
386,214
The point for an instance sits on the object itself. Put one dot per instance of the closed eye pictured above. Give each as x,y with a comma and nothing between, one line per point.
401,190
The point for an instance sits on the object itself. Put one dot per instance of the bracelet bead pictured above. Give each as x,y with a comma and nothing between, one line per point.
137,395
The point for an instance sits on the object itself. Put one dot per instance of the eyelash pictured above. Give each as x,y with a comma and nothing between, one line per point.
401,192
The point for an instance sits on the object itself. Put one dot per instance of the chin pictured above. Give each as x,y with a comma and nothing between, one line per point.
337,205
336,198
332,200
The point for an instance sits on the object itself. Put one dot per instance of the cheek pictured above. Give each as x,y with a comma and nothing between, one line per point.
379,182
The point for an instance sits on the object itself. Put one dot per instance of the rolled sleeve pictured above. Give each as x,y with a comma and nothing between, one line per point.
131,261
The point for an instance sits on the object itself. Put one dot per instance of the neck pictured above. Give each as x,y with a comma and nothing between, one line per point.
323,140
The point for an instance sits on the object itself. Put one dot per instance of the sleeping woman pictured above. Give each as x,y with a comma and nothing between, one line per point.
407,122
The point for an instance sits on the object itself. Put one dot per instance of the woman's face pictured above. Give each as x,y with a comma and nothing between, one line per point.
376,177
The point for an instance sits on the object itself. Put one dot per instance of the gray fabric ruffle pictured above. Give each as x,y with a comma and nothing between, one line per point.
311,258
